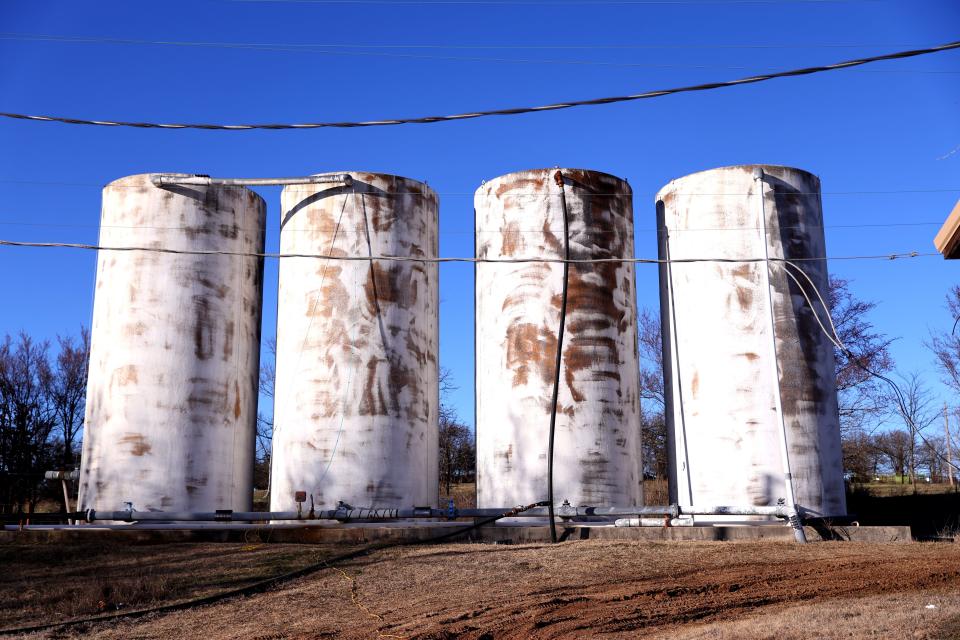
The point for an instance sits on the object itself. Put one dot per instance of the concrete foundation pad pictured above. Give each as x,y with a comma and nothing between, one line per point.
369,533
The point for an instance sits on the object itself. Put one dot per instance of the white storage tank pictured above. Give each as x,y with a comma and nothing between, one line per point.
175,350
745,381
357,397
597,447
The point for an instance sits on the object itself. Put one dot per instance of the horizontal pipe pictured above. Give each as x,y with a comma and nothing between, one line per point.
779,511
164,179
214,526
641,522
346,514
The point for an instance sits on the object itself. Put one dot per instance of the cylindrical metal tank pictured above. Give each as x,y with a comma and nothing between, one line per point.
357,396
175,350
597,446
749,373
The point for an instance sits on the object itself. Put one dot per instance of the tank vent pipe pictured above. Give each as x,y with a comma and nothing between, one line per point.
173,179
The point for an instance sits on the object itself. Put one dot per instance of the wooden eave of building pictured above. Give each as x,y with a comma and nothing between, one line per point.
948,238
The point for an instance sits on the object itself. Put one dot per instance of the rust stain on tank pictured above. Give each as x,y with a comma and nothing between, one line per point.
530,348
386,284
230,231
593,353
137,443
382,218
535,185
511,238
127,374
551,239
219,290
203,328
135,329
236,404
333,295
372,400
228,340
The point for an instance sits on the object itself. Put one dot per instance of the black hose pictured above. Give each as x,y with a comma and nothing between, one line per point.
558,177
267,583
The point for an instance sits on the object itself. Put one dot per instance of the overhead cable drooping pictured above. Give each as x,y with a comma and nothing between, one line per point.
496,112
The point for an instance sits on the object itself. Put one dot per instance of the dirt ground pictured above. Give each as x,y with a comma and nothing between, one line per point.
576,589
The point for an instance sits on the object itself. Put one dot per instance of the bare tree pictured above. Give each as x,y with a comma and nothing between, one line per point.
915,407
650,344
457,450
862,397
27,419
268,374
67,391
862,456
895,446
932,456
654,445
946,345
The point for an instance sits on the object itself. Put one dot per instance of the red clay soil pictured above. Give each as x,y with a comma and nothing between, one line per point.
571,590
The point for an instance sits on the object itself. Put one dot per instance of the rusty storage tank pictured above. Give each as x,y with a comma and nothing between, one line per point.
597,446
731,361
175,350
357,397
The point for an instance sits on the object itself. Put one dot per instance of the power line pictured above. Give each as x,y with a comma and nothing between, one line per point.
531,194
319,256
905,413
510,3
497,112
56,225
8,35
351,50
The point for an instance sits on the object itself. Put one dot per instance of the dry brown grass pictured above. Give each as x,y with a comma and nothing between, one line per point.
594,588
464,495
49,582
930,616
656,492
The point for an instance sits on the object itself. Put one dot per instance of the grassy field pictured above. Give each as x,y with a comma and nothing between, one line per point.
886,489
576,589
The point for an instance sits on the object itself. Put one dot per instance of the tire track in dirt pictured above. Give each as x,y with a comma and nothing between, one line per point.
576,590
624,608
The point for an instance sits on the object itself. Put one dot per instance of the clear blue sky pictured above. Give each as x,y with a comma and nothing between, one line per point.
874,135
